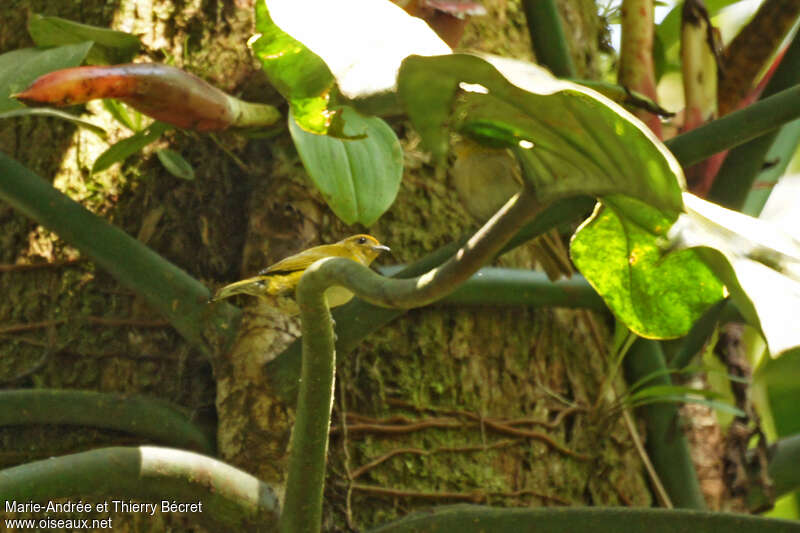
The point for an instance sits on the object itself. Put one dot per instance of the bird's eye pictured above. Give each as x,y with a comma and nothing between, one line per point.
362,240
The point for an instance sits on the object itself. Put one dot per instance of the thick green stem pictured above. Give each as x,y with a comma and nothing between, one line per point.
475,519
517,286
231,500
170,290
302,511
144,417
252,115
666,444
548,37
302,508
736,128
743,165
358,319
441,281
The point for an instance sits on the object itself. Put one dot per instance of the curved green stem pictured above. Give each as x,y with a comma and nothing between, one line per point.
231,500
442,280
737,128
666,444
302,512
743,164
358,319
145,417
475,518
252,115
302,509
169,289
548,38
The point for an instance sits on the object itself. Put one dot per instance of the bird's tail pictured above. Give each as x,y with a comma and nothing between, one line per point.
256,286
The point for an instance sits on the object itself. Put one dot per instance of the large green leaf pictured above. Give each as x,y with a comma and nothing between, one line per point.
295,71
759,263
362,42
569,139
359,176
358,44
110,46
19,68
657,295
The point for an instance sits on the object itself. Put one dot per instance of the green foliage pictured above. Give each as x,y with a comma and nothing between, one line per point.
127,116
175,164
655,294
569,139
362,42
295,71
759,264
127,147
358,176
110,46
19,68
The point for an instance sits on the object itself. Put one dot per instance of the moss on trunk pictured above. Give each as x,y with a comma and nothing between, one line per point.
487,375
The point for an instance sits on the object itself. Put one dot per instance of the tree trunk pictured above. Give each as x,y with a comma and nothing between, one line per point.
490,405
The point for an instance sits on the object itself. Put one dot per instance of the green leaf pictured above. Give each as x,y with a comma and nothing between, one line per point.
569,139
358,177
110,46
759,263
364,57
38,111
721,406
657,295
657,391
19,68
175,164
127,147
295,71
127,116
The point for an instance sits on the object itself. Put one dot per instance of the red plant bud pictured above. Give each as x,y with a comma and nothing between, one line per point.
159,91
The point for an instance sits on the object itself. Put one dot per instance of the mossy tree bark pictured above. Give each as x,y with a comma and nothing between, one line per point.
444,405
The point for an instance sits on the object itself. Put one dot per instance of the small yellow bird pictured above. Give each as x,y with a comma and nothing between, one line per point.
281,278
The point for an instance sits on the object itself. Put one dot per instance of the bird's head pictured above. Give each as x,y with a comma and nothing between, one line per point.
363,248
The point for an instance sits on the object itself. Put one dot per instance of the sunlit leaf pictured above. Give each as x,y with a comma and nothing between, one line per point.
362,42
175,164
359,177
19,68
127,147
43,112
295,71
110,46
759,263
657,295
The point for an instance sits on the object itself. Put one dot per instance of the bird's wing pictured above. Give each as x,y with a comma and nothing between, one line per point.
300,261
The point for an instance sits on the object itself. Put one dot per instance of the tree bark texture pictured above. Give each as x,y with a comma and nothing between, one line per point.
490,405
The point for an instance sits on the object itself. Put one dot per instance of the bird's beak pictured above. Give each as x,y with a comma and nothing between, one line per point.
381,248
